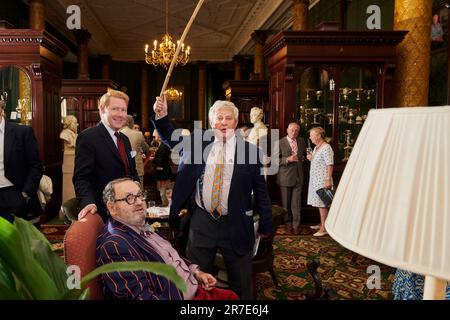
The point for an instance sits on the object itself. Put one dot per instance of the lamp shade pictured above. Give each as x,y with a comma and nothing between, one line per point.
393,201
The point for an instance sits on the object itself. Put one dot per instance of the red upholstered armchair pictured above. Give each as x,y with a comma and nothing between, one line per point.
79,249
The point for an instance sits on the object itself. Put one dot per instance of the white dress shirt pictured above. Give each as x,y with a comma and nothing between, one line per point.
110,131
4,182
208,178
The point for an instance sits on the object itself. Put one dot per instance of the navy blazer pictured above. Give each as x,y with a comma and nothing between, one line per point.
247,178
116,243
22,164
97,162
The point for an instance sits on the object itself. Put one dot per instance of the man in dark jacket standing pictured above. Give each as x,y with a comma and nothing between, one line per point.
20,169
102,154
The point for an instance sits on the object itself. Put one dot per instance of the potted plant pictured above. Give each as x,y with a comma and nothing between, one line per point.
29,269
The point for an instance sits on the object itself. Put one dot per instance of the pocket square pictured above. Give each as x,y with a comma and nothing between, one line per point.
133,153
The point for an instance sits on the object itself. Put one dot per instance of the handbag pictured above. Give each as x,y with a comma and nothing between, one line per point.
326,195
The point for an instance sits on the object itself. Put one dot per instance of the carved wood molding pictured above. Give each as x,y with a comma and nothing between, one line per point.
20,36
375,38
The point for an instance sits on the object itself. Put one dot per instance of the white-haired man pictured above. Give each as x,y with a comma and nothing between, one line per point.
215,181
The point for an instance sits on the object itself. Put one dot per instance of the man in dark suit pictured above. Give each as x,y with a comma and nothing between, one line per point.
217,174
126,237
290,176
20,169
102,154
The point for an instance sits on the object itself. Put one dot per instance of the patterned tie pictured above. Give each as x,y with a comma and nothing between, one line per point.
216,193
122,153
294,146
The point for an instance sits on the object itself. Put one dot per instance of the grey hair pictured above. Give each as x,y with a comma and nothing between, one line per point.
220,104
319,130
130,121
109,194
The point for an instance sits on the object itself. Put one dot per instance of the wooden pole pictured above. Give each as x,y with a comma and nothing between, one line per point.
175,56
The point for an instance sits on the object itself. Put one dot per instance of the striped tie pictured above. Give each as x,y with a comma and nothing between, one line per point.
294,146
216,193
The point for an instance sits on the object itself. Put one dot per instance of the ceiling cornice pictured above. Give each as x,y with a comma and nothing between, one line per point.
260,13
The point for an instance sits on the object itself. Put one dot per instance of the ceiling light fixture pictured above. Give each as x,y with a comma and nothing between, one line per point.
163,53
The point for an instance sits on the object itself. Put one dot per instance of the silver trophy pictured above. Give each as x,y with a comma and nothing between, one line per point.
369,93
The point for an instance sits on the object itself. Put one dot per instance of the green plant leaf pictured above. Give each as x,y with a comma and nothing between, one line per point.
7,293
76,294
29,275
6,278
158,268
41,250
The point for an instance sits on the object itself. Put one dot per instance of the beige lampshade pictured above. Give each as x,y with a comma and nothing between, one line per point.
393,201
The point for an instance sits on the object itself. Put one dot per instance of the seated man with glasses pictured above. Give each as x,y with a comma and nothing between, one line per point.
126,237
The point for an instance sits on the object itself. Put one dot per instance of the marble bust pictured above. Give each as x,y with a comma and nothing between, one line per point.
69,133
259,129
69,136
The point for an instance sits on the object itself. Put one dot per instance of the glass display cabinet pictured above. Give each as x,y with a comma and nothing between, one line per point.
318,96
329,79
15,91
80,98
30,83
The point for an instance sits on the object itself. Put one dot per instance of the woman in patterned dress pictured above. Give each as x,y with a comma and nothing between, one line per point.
409,286
320,175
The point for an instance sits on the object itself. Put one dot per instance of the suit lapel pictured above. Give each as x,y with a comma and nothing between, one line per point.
237,168
8,143
109,141
287,145
138,240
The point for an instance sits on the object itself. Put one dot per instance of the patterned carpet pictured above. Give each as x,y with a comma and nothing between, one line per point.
338,270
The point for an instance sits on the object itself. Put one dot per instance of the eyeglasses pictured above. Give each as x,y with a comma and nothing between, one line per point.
131,198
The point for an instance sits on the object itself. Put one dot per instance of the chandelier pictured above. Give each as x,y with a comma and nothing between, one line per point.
173,94
163,53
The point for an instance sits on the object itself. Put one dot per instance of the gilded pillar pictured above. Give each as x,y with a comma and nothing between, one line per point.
36,11
413,53
106,66
238,67
83,37
259,37
24,102
145,107
202,92
300,14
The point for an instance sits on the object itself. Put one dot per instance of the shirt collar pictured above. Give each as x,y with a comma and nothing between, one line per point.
231,141
110,130
290,140
137,229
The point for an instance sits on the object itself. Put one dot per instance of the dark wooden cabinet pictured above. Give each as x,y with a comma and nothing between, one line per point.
38,55
330,79
80,98
246,94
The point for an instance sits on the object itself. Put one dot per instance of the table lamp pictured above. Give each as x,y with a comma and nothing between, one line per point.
392,204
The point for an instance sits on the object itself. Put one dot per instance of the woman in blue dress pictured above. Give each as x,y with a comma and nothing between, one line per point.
409,286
